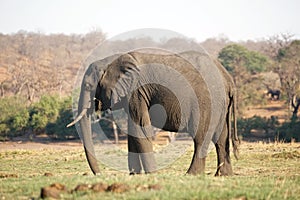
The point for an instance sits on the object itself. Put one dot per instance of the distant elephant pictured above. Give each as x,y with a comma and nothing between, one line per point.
275,94
166,91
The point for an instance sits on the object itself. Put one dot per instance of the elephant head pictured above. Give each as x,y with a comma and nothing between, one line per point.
86,107
117,81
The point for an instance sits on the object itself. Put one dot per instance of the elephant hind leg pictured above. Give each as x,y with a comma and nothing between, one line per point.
222,147
198,163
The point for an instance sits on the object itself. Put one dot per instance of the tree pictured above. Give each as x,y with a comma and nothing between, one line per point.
33,64
274,43
295,105
243,65
234,57
214,45
288,69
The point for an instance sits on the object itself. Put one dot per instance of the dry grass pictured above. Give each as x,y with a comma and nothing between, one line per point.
264,171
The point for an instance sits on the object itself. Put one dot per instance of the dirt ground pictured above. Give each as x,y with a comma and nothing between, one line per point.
273,108
29,145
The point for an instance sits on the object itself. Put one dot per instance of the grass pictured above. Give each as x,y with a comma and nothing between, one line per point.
264,171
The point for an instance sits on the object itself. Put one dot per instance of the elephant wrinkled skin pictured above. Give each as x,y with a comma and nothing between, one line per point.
187,92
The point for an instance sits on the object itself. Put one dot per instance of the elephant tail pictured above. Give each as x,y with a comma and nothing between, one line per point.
234,137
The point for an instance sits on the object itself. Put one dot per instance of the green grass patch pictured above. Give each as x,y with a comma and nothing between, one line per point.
264,171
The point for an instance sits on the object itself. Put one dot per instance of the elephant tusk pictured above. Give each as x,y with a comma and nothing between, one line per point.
83,112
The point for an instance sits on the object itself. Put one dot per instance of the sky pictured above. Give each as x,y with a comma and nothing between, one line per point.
235,19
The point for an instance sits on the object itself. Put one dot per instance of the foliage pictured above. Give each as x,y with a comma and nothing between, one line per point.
49,115
269,126
20,120
235,56
288,68
244,65
44,111
14,116
57,129
290,130
34,64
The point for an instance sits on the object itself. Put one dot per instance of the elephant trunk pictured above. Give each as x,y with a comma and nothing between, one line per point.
85,127
85,131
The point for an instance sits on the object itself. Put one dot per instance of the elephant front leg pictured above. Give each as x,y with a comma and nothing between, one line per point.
222,147
140,154
140,149
134,162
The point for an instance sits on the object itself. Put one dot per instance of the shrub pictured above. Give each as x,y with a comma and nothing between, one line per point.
50,115
43,112
268,125
272,129
290,130
58,129
20,121
14,116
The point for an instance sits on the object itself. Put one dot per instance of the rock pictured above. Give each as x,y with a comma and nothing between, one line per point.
9,176
82,187
50,192
118,188
141,187
148,187
48,174
85,174
59,186
155,187
99,187
53,191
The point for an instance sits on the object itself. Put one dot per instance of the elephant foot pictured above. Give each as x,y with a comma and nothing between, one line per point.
195,171
134,163
139,161
224,169
197,167
148,162
133,173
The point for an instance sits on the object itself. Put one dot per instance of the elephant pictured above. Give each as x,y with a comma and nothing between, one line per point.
223,143
185,92
275,94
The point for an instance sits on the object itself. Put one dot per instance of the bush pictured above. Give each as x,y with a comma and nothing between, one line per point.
19,122
268,126
290,130
14,117
58,129
49,115
43,112
271,128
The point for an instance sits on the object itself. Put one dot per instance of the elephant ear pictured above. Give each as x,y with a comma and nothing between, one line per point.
96,70
129,77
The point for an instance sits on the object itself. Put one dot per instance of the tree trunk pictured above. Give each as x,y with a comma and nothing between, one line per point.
115,132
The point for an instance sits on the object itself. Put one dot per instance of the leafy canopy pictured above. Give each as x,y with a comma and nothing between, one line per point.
235,56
